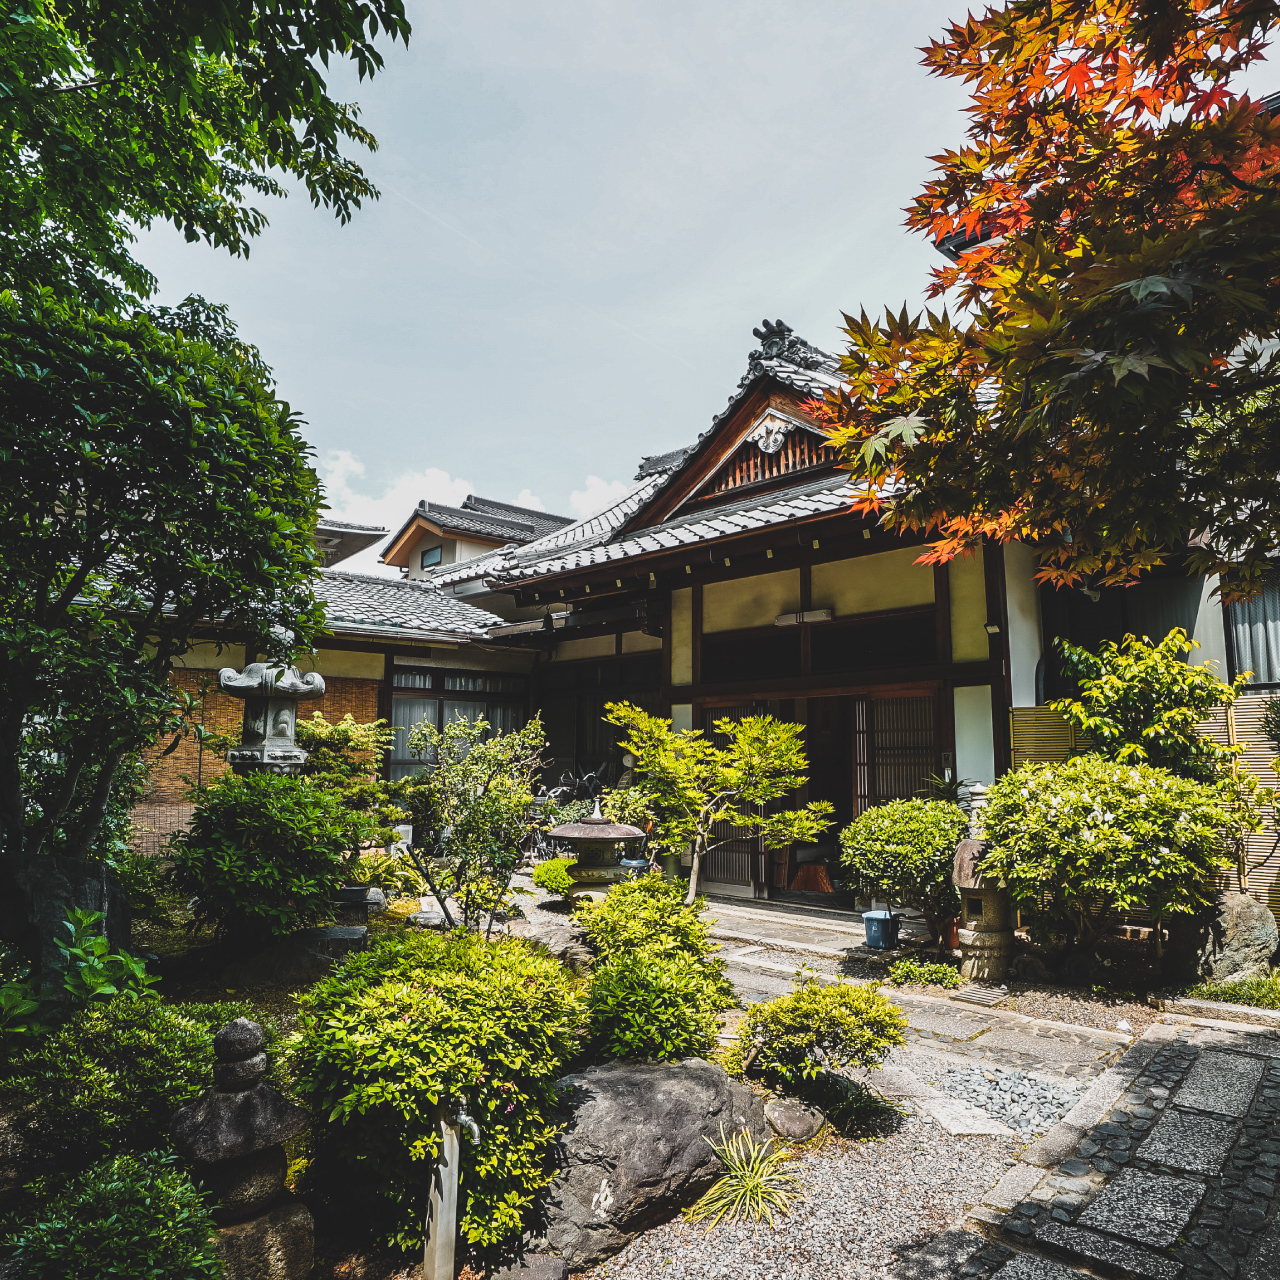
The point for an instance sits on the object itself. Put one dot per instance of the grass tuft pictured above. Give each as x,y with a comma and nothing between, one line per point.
753,1188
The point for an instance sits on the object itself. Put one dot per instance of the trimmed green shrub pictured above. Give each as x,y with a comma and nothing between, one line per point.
414,1021
110,1079
646,913
125,1219
265,854
1096,837
903,851
553,876
653,1005
924,974
792,1039
1262,993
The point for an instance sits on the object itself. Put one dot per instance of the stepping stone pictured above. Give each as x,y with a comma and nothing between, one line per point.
1050,1048
1026,1266
1195,1144
944,1022
1152,1208
1115,1253
1221,1082
940,1258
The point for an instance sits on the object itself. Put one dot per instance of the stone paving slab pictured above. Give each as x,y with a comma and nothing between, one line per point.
1095,1248
1050,1048
1265,1264
1152,1208
959,1026
1192,1143
1026,1266
1220,1082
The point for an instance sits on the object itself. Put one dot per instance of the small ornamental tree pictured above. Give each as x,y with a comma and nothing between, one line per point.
1096,837
1142,703
471,807
904,851
695,786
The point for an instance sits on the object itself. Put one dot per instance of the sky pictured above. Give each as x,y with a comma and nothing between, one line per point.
586,208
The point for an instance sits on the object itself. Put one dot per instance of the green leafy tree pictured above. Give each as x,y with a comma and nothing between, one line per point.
346,758
1143,702
117,116
1095,837
471,807
151,481
695,787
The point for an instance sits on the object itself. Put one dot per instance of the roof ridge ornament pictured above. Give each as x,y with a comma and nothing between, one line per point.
778,341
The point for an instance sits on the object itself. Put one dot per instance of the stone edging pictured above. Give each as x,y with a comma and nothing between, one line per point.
1218,1010
1014,1019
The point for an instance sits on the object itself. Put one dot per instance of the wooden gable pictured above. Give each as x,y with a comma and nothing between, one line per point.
798,450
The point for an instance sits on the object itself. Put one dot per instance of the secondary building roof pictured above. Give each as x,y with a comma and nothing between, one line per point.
337,539
356,603
477,520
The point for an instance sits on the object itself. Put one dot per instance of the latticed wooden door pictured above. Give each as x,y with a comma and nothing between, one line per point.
895,748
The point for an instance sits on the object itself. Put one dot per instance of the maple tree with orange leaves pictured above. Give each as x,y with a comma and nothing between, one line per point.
1106,382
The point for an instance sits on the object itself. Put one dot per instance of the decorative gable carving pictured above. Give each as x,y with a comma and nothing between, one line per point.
777,445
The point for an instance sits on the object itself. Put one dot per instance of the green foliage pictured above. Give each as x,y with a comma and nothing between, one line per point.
653,1005
904,851
471,808
111,1077
631,805
1262,993
391,871
415,1021
648,913
345,758
792,1039
1140,703
126,1218
264,854
1098,837
167,413
917,973
698,791
753,1187
852,1110
116,117
92,972
553,876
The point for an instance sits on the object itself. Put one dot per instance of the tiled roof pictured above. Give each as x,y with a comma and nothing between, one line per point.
492,519
816,497
541,522
359,602
325,523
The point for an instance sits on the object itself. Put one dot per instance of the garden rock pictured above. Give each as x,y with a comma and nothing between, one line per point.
564,939
635,1150
534,1266
300,959
427,919
279,1245
794,1120
1234,938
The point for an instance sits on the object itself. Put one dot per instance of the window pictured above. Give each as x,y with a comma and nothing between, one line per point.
1253,628
411,680
431,556
406,714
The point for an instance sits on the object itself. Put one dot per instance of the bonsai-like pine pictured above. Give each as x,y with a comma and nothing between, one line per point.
704,796
903,851
1096,837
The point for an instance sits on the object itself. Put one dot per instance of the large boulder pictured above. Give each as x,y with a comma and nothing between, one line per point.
562,938
1235,937
634,1150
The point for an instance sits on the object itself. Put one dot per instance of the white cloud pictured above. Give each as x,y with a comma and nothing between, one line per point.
597,495
526,498
342,472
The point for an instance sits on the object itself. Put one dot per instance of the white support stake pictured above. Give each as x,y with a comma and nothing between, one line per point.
442,1216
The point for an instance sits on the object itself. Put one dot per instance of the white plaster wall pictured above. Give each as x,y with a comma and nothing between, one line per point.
682,636
1026,641
975,738
1210,630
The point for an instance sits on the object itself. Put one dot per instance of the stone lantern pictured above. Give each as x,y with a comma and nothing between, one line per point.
599,845
986,918
271,695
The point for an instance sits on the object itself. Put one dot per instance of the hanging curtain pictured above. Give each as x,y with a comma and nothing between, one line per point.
1255,633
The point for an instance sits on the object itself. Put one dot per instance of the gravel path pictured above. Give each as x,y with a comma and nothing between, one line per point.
864,1204
1083,1008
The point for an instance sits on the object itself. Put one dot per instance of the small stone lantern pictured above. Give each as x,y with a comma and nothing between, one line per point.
986,925
599,845
271,695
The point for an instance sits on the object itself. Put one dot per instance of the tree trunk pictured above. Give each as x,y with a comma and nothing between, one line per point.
699,845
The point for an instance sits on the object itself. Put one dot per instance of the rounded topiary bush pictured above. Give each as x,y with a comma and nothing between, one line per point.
654,1005
129,1217
553,876
646,913
416,1020
265,854
790,1040
1092,837
903,851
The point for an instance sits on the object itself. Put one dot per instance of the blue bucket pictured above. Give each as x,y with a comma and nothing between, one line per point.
882,929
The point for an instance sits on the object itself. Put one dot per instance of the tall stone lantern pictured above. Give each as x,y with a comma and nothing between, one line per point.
271,695
986,916
599,845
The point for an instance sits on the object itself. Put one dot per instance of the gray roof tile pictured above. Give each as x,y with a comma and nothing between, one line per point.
359,602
